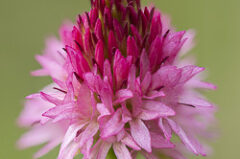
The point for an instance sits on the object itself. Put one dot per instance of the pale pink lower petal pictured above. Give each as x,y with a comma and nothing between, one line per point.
188,142
100,150
140,134
48,147
194,101
70,135
165,128
85,150
129,141
121,151
88,133
51,99
40,72
188,72
70,151
39,134
52,67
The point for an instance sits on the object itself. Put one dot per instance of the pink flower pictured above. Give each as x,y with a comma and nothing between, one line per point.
119,81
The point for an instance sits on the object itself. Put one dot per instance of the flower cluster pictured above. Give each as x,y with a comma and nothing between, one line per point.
119,82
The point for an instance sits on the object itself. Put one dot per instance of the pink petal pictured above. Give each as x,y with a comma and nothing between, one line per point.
53,112
141,134
200,84
149,155
132,78
107,72
148,115
123,95
100,150
144,64
126,115
70,151
103,150
155,52
51,99
129,141
132,48
85,150
52,67
51,145
146,82
121,151
121,67
99,54
70,135
156,27
40,134
107,98
165,128
167,76
159,142
113,125
111,44
154,94
40,72
158,107
194,101
189,44
190,143
98,29
188,72
88,133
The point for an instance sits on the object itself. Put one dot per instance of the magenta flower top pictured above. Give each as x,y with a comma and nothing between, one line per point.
119,82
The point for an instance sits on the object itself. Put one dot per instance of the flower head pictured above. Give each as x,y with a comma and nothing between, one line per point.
119,81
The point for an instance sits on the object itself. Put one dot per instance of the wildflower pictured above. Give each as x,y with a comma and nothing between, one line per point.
119,81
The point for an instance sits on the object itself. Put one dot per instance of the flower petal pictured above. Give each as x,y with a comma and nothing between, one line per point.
129,141
158,107
121,151
113,125
140,134
190,143
70,135
123,95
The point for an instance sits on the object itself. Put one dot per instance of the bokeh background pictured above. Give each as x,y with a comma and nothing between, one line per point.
25,24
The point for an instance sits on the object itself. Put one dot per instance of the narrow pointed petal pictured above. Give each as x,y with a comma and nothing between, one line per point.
132,49
70,135
190,143
51,145
100,150
121,151
99,54
188,72
167,131
88,133
140,134
129,141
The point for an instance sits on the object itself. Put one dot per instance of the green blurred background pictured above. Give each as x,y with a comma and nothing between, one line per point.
24,25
